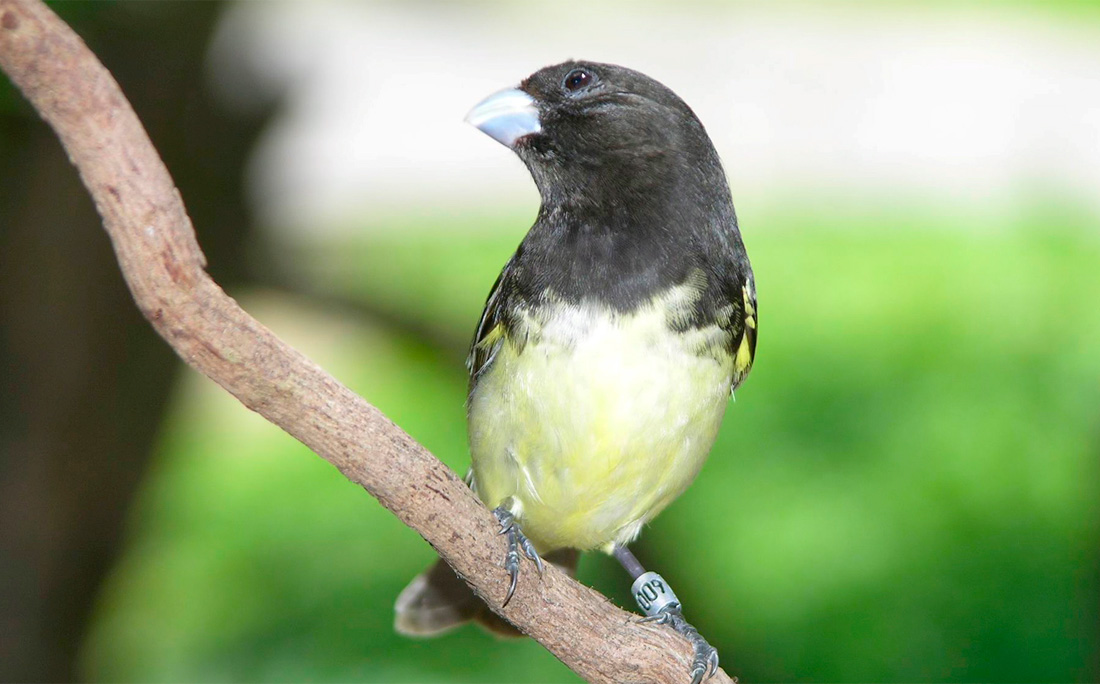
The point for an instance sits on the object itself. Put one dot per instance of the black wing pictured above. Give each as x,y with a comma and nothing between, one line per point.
491,328
743,330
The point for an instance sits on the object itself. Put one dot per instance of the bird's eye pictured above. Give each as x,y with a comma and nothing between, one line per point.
577,79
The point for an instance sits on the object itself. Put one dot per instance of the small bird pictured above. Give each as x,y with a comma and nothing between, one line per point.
610,343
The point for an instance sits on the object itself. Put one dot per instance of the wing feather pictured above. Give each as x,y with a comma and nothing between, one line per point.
491,329
743,331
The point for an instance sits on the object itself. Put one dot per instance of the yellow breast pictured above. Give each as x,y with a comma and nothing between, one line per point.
593,422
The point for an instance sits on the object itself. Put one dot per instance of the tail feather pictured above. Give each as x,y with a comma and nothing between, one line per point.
437,601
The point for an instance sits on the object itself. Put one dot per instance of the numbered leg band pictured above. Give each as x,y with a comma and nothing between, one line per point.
652,593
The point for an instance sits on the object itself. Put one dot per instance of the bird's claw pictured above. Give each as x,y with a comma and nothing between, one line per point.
705,661
703,671
530,552
516,542
661,618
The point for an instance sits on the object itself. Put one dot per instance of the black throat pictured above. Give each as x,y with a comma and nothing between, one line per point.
626,229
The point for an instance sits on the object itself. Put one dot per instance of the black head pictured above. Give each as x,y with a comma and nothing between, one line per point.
602,121
588,129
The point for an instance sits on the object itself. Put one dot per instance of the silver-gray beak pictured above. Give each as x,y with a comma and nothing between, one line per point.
506,116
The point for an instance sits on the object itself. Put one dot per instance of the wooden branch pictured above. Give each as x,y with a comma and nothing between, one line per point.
156,248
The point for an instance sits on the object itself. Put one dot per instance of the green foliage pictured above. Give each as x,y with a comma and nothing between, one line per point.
905,489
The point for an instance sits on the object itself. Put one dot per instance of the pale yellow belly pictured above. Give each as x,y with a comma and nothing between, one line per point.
595,425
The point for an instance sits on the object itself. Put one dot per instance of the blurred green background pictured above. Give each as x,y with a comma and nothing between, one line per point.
907,487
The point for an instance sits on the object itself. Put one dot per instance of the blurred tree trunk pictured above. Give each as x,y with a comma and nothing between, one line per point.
85,380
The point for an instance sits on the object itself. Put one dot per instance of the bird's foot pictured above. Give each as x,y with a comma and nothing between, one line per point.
705,661
659,603
516,542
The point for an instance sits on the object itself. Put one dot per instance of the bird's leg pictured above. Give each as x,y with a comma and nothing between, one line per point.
660,605
516,542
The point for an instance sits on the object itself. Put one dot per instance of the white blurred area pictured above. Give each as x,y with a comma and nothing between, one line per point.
970,111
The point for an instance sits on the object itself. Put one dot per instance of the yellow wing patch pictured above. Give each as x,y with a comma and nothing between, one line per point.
492,337
746,350
742,361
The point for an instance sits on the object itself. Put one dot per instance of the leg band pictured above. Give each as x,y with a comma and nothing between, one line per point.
653,594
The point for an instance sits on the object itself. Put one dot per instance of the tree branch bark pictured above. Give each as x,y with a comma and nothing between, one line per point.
163,266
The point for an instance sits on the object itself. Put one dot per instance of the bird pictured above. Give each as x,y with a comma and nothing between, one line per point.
610,343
